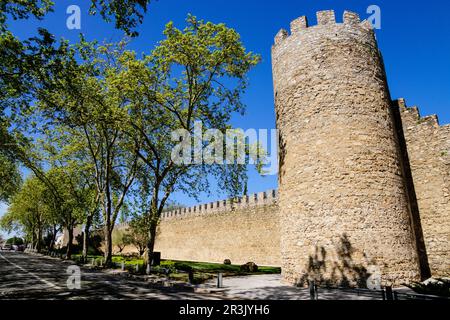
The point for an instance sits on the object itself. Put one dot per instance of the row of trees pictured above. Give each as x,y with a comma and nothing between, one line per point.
24,67
93,123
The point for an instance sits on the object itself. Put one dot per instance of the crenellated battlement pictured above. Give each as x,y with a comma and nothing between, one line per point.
415,118
256,199
428,157
325,17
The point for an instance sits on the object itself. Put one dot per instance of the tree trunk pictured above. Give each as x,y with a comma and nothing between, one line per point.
69,243
151,243
108,245
39,239
86,239
33,239
108,230
53,240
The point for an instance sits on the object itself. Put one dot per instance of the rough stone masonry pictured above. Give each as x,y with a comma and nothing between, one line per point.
348,206
364,184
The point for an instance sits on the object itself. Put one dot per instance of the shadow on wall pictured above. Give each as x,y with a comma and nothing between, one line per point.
281,143
344,271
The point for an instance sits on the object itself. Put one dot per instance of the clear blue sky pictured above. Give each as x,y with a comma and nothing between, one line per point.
414,39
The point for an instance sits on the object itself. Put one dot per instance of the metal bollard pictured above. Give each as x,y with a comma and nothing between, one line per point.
389,294
137,268
123,266
313,294
219,280
149,269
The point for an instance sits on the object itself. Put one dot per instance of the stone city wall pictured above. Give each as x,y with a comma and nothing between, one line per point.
243,230
428,146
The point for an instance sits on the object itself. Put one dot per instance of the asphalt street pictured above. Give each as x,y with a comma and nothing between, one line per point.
26,276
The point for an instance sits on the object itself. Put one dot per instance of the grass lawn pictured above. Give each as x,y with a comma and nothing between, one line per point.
205,270
129,261
218,267
202,270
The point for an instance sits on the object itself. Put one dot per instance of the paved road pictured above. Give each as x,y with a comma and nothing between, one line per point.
26,276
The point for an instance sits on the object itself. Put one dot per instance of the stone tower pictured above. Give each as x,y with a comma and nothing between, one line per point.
343,204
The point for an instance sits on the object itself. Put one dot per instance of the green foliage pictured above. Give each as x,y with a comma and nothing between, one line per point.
128,260
99,119
15,240
19,9
28,212
138,234
120,111
25,66
10,178
9,169
94,244
178,270
199,74
128,14
183,266
43,203
119,238
194,74
65,188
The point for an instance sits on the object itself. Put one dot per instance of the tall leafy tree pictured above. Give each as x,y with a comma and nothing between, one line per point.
138,235
25,64
197,74
120,111
119,239
69,198
67,156
9,176
83,106
28,213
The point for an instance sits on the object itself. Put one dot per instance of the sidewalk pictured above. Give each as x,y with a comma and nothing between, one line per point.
270,287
